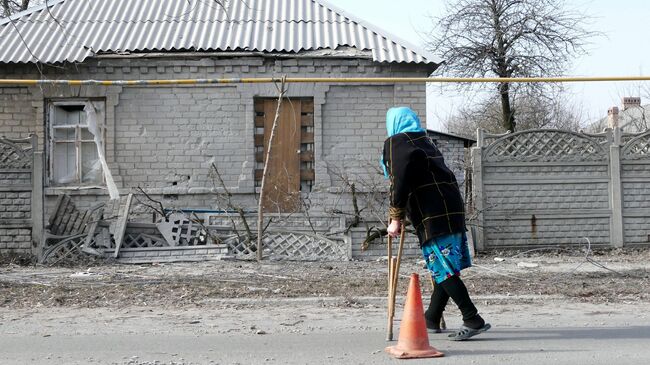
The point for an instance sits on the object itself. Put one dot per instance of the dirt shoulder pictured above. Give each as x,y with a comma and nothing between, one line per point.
605,277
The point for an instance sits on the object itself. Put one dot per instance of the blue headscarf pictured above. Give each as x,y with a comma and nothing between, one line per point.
399,120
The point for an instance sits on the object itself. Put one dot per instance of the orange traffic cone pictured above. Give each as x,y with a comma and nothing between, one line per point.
413,339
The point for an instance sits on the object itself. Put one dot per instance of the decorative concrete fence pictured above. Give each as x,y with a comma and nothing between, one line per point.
554,188
21,196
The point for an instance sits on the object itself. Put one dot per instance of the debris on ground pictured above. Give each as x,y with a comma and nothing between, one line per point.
625,277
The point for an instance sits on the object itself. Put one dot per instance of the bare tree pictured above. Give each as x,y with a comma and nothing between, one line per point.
550,111
509,38
9,7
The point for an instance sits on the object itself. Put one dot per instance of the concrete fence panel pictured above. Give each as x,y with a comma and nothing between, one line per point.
635,181
17,196
543,188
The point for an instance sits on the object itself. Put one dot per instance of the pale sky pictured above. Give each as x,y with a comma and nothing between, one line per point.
624,49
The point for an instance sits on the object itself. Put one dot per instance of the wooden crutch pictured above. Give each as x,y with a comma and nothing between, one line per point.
393,275
389,334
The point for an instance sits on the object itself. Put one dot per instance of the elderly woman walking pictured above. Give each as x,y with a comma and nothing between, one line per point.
426,191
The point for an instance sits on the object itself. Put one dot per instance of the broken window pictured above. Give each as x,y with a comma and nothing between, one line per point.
291,168
73,154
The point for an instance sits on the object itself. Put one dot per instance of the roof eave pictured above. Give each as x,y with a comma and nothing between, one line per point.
425,54
29,11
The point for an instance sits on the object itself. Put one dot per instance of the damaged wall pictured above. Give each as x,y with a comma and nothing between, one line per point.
17,114
165,138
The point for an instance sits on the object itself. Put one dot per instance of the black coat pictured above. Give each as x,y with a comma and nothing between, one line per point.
422,186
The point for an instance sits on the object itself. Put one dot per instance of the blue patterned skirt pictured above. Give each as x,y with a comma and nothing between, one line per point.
446,256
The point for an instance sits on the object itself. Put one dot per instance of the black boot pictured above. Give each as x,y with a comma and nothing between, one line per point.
456,289
433,314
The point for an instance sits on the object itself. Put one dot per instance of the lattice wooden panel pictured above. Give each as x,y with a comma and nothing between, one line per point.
69,250
180,230
240,247
637,148
12,156
282,245
545,146
141,240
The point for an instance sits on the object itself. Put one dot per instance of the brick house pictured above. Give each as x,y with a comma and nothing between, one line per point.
166,138
632,117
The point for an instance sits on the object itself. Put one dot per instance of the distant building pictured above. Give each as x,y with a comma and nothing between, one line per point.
632,118
454,149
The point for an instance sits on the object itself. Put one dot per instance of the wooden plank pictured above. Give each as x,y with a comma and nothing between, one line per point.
259,140
307,138
283,179
259,121
79,223
95,215
120,226
57,208
307,156
307,105
307,175
74,217
63,216
307,120
258,105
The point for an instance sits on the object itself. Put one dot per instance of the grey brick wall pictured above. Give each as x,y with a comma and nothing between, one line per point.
355,130
15,240
17,113
168,136
15,205
164,138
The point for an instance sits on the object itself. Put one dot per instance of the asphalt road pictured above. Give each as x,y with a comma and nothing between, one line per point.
321,331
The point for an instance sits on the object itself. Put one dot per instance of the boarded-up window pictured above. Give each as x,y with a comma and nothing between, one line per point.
291,167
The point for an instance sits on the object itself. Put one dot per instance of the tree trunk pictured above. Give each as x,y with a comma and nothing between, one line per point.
507,114
260,210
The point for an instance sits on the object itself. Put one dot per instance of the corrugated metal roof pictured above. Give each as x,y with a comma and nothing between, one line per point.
73,30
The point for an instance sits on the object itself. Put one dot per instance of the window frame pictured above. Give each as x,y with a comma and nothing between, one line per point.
78,140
